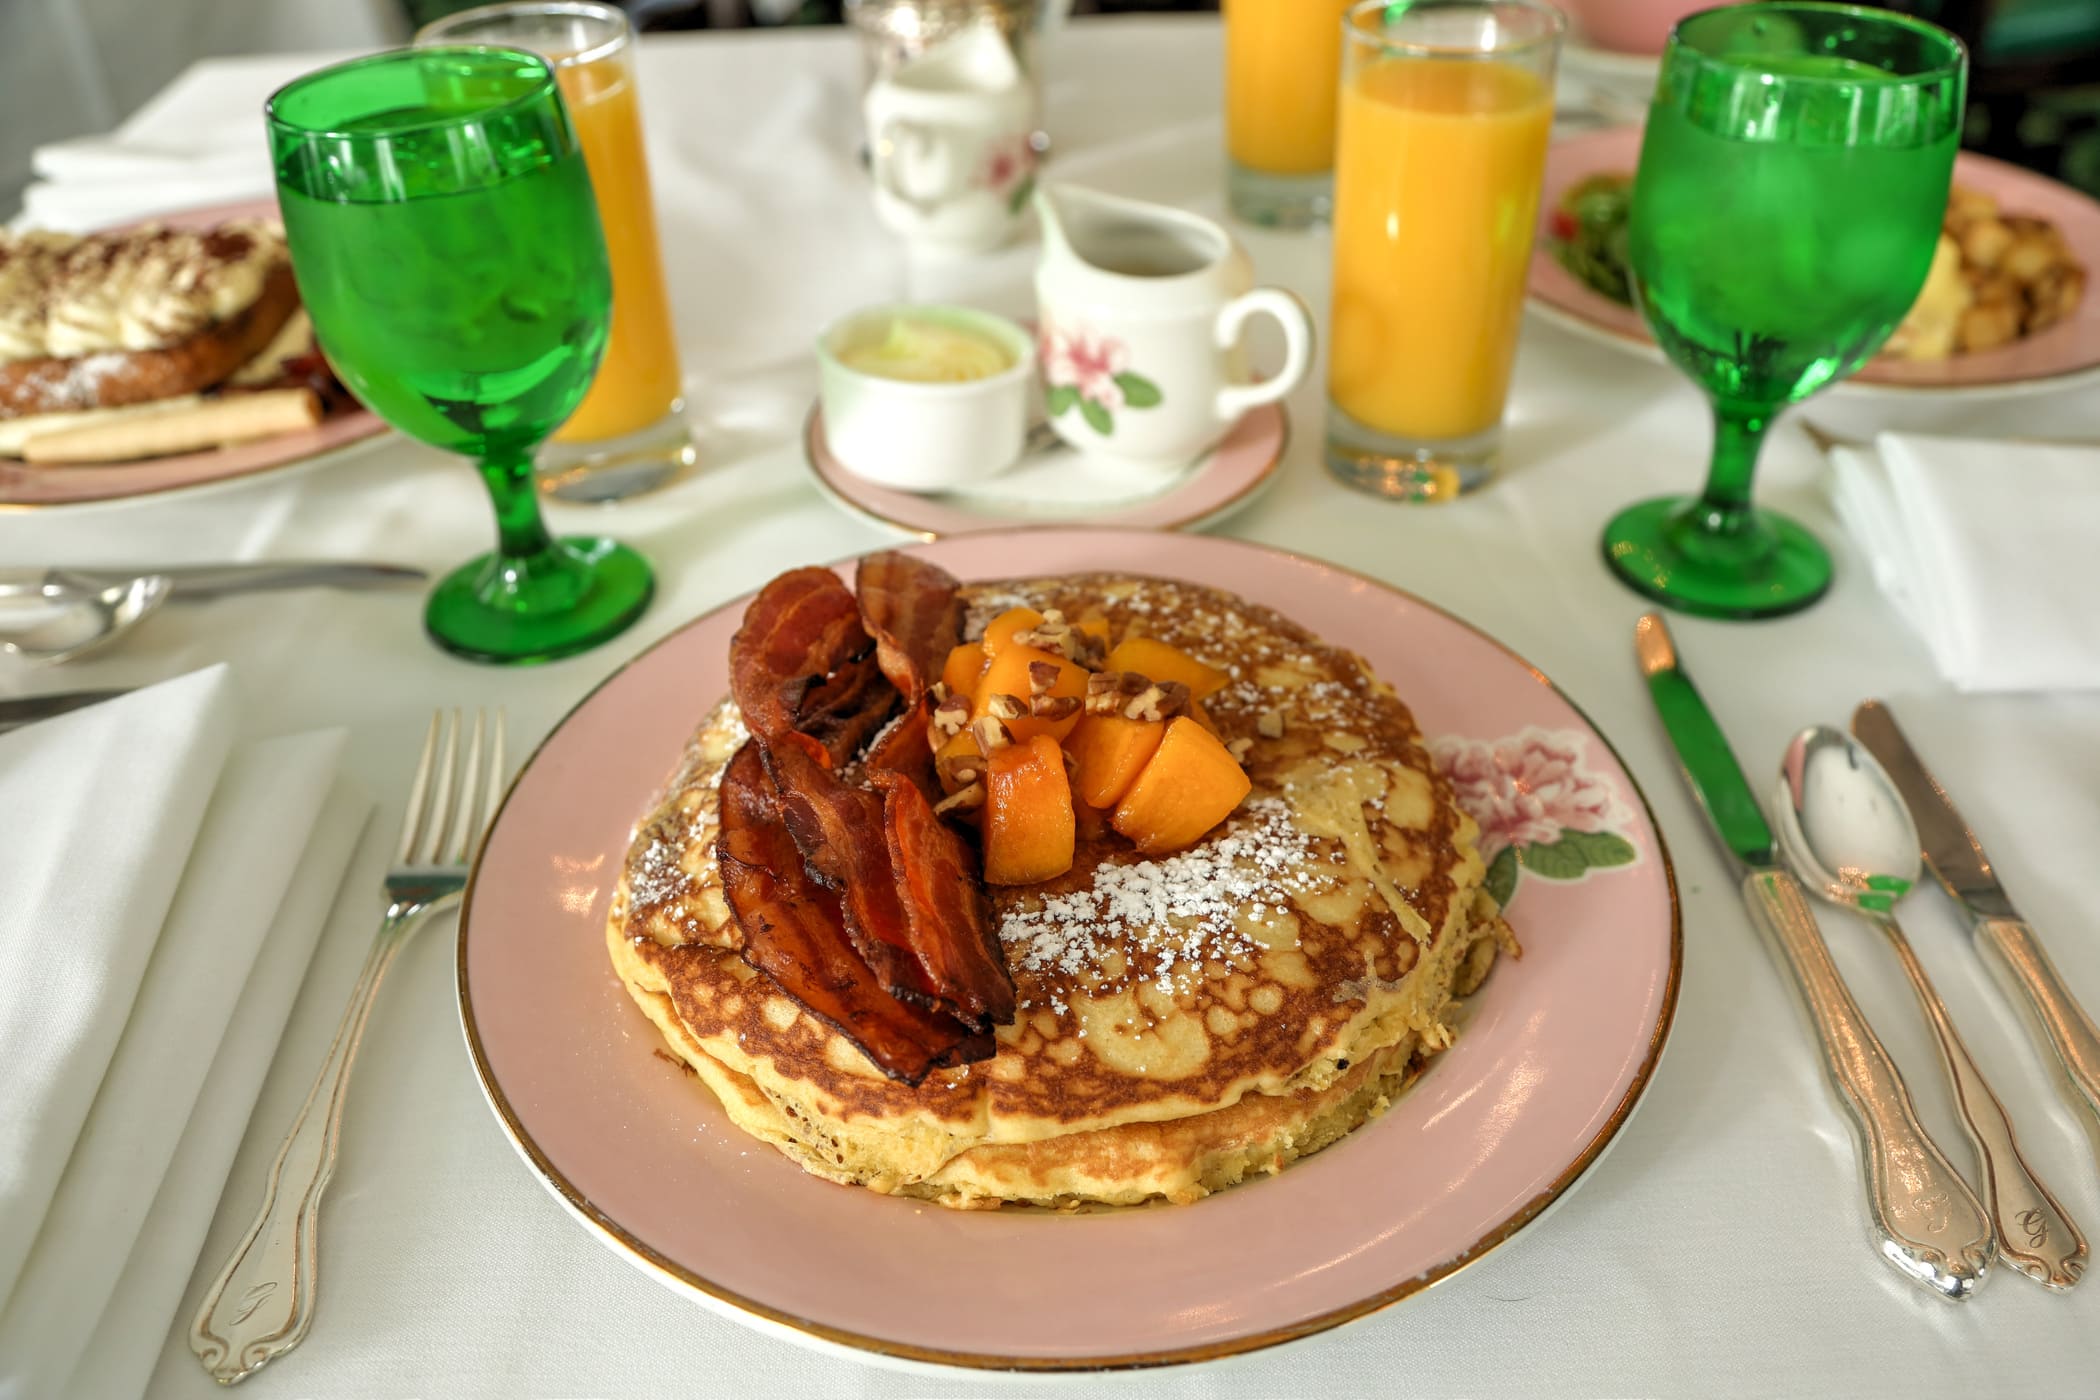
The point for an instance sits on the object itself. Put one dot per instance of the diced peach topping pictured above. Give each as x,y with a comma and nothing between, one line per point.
965,667
1008,675
1160,662
1190,784
1110,750
1028,819
1006,626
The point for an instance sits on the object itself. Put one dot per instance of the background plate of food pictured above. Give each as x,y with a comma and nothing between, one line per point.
2007,309
159,356
1211,1115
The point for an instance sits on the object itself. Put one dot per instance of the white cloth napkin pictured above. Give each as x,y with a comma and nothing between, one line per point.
158,1008
1987,550
94,181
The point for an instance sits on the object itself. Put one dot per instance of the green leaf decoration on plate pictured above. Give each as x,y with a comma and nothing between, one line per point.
1554,862
1576,852
1502,876
1059,398
1097,417
1138,391
1021,191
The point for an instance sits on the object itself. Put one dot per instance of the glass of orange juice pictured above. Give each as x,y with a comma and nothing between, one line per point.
629,434
1446,107
1283,60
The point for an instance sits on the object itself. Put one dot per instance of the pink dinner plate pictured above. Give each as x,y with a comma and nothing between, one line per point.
25,487
2065,354
1556,1051
1058,491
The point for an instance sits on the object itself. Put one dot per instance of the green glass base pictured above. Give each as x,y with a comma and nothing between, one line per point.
1699,559
566,599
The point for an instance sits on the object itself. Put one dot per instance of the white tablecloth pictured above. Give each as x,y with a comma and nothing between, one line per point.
1718,1249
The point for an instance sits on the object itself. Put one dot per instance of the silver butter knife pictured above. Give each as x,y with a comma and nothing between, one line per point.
1927,1222
2009,944
196,582
28,709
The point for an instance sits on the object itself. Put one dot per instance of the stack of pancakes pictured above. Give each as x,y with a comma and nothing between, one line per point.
1186,1020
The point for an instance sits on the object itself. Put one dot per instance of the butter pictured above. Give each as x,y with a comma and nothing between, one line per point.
928,352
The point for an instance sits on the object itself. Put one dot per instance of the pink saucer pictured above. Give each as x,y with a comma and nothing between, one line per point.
2057,358
1557,1048
1032,493
27,487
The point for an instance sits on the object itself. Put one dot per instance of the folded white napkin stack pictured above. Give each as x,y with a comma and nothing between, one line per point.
166,887
1989,550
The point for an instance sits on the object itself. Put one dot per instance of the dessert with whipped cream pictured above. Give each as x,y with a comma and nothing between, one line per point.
149,321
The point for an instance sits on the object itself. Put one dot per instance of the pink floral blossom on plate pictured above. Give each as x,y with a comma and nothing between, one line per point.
1537,803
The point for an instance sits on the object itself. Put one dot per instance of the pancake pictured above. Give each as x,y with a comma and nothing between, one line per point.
1185,1021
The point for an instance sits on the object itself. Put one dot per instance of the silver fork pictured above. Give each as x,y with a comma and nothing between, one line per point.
262,1303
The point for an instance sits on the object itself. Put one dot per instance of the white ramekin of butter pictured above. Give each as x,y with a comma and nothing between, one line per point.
925,397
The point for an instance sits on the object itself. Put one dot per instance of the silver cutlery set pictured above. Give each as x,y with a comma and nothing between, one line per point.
1856,814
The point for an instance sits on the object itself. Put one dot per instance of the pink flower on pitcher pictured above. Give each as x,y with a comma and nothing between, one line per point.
1086,364
1091,373
1527,790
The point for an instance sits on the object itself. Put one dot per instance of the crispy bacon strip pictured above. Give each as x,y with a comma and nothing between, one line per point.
794,933
914,611
839,831
803,669
902,748
944,904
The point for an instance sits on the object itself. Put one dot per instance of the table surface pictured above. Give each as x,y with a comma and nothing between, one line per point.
1718,1249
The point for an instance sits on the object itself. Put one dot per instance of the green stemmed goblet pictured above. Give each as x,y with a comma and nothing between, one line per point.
446,242
1792,182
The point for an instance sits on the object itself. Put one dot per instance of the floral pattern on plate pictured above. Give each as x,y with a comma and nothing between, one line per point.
1541,809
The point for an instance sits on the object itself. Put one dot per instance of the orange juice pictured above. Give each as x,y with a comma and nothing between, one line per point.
1283,62
1436,194
638,380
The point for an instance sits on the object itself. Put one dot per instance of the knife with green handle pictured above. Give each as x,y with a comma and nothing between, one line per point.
1926,1220
2009,945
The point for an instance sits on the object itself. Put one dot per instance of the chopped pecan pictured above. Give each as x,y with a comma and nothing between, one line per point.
1006,707
1054,707
950,718
1042,675
967,799
1108,692
1239,749
1159,700
959,770
991,734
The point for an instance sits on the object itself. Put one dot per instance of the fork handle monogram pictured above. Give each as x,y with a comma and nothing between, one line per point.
1927,1222
262,1303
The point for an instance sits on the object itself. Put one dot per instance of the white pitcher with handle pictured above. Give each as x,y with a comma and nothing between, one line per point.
1140,311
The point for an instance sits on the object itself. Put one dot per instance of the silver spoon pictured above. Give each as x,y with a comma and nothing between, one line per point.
64,623
1849,837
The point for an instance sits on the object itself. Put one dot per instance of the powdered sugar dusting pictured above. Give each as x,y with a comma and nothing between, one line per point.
1174,915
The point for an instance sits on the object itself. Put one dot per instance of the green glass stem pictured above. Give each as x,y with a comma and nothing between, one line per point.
520,529
1739,435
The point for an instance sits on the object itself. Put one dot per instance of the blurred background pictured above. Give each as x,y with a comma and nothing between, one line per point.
69,67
